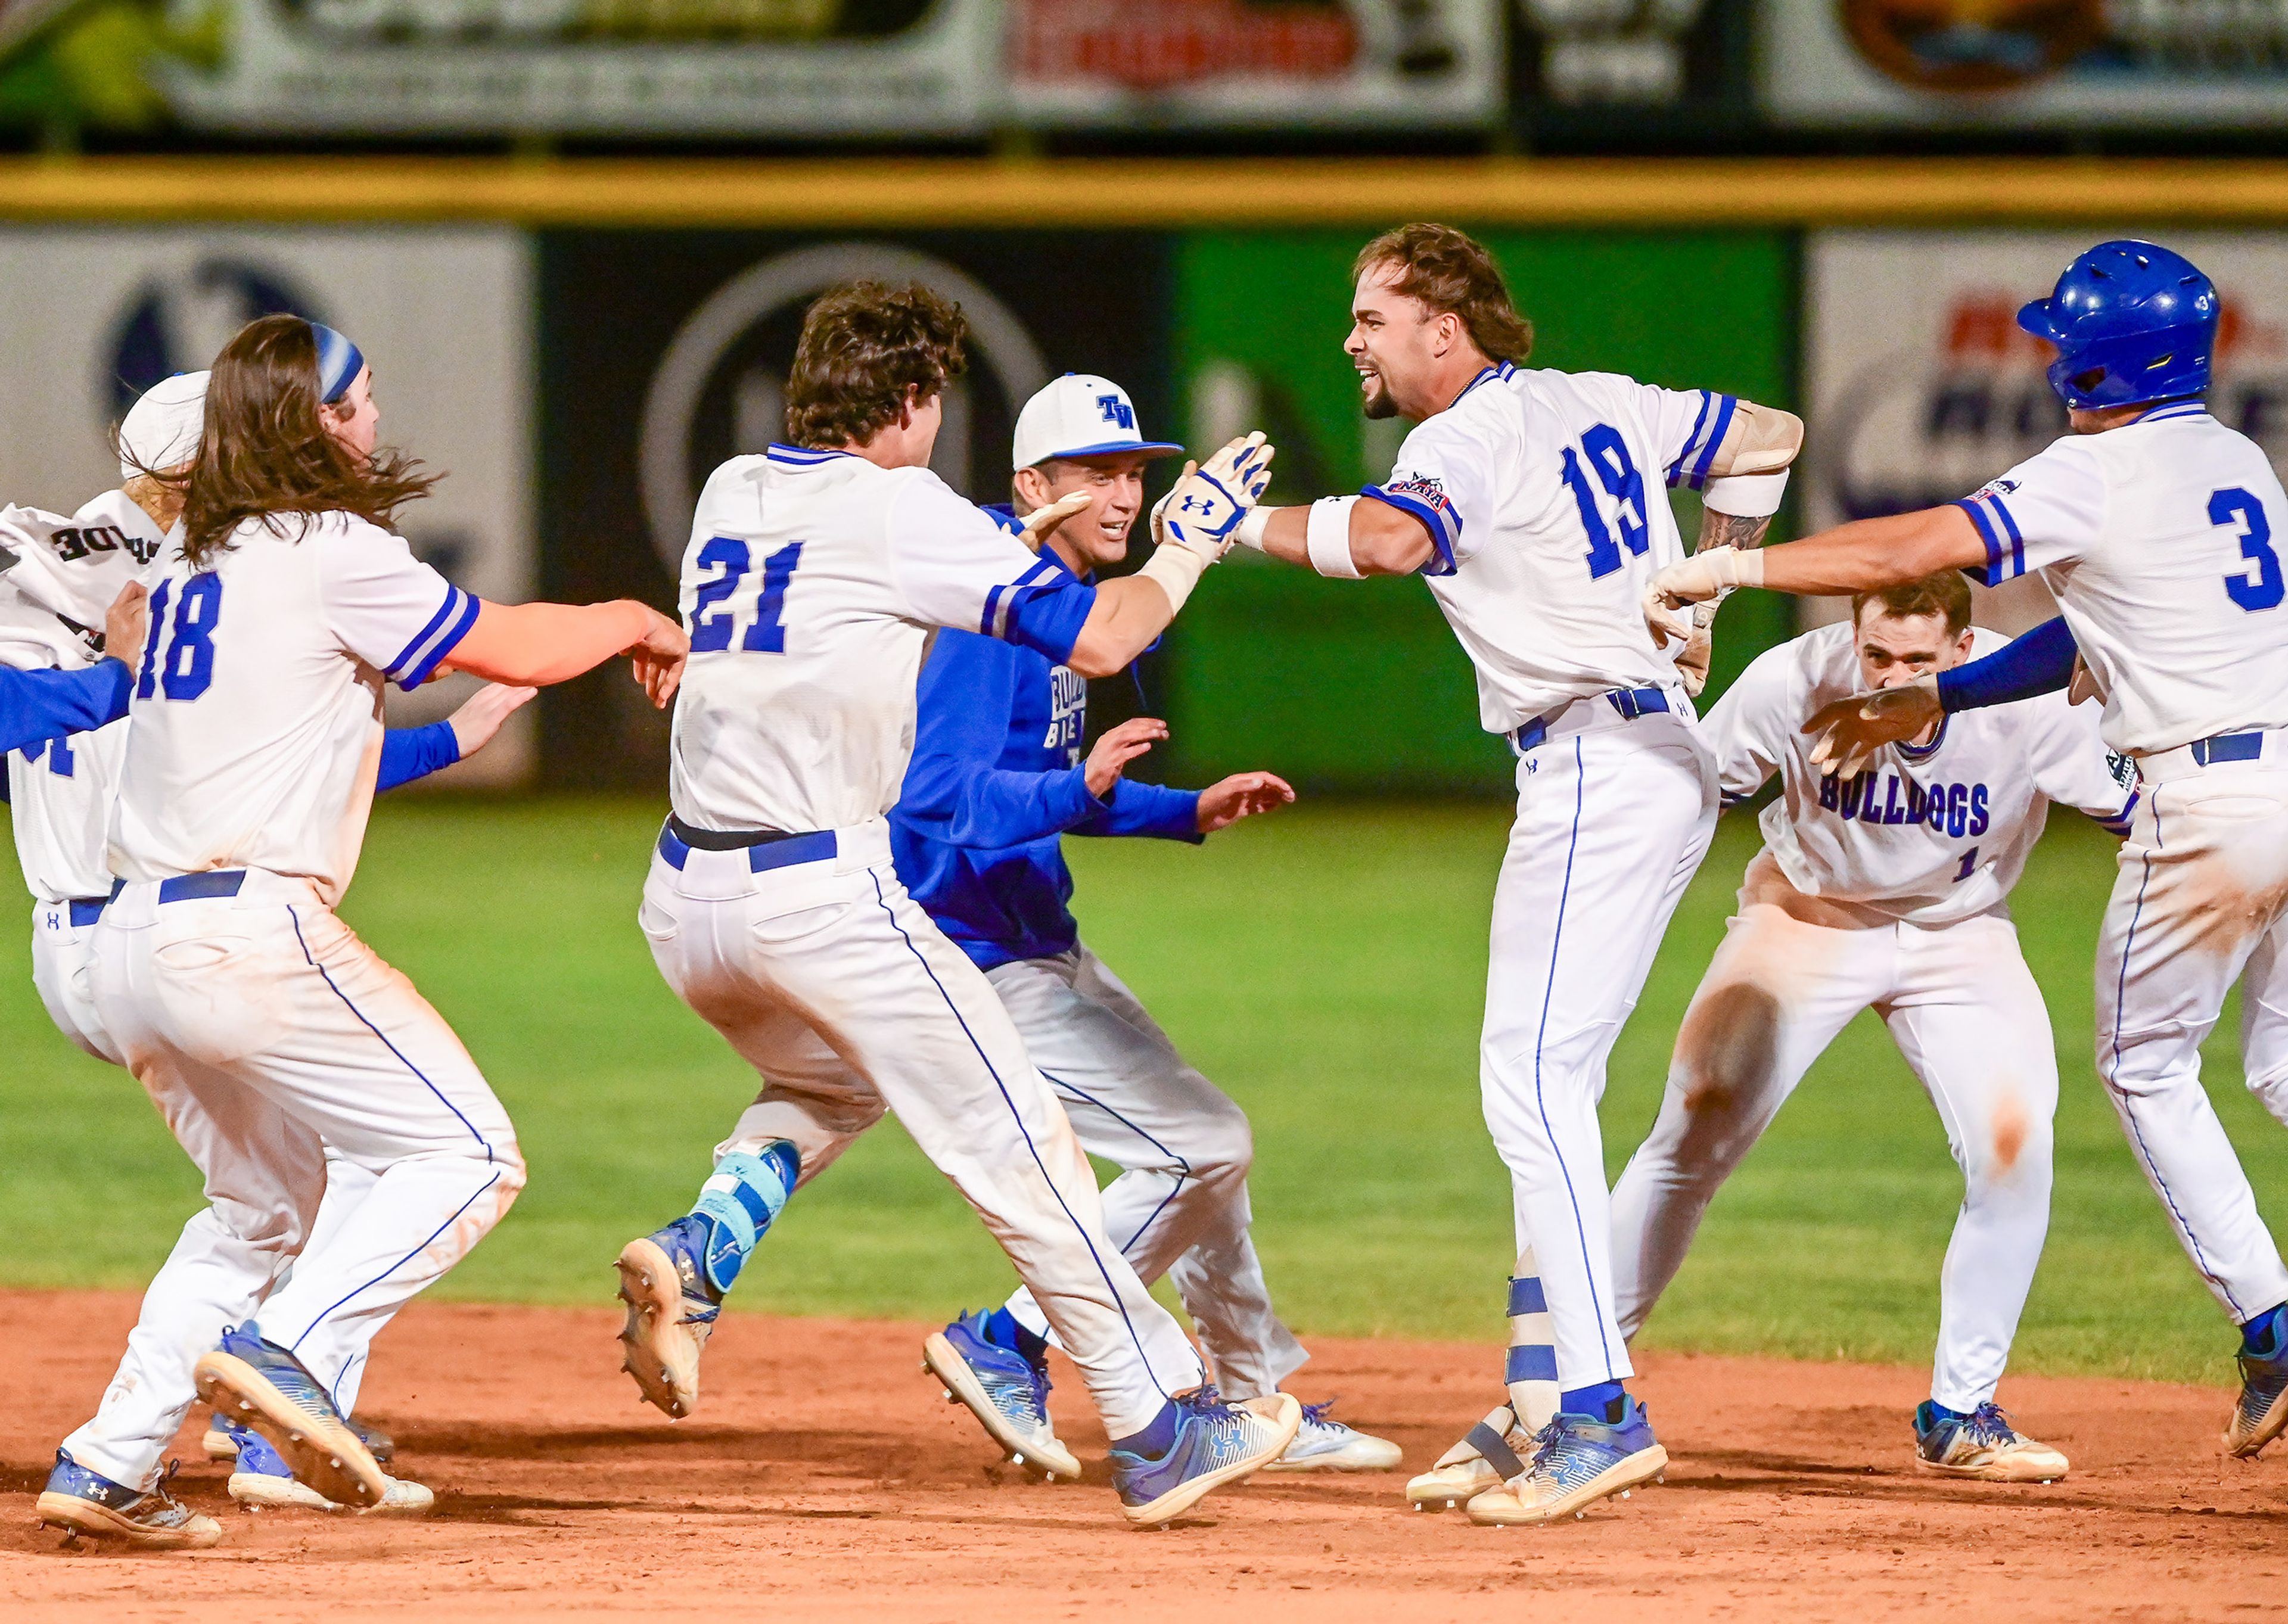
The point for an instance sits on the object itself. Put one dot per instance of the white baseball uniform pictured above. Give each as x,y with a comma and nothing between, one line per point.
1541,491
263,1029
2160,540
1887,891
811,586
51,607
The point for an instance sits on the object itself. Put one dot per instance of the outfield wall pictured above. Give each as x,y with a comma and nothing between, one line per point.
650,312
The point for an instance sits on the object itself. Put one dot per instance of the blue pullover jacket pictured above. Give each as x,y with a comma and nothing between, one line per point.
995,780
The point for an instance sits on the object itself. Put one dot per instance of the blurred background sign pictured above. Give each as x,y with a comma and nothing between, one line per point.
2014,63
607,66
98,316
1921,387
1308,64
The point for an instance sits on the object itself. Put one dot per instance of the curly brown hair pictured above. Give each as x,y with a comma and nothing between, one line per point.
264,452
1945,593
865,348
1448,271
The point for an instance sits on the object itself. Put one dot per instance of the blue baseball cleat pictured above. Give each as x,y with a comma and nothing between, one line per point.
1007,1392
671,1307
262,1387
1577,1459
221,1440
261,1482
81,1502
1981,1444
1324,1445
1216,1443
2260,1414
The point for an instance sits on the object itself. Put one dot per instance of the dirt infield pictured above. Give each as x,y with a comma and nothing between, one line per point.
823,1479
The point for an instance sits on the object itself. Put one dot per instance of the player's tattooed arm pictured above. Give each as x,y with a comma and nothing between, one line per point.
1731,530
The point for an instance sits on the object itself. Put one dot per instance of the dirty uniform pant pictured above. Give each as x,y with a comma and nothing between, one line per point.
2199,897
1964,1010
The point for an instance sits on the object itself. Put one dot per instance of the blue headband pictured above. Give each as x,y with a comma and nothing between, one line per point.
338,363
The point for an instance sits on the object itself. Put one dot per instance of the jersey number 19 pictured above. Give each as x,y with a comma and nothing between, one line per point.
1609,454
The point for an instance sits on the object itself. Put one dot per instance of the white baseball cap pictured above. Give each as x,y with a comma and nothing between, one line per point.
1081,415
161,430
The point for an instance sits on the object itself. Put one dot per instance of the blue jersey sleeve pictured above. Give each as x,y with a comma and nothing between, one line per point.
1147,809
407,753
953,791
2041,661
41,705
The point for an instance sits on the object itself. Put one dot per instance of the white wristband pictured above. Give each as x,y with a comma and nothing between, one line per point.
1327,539
1251,530
1746,495
1176,570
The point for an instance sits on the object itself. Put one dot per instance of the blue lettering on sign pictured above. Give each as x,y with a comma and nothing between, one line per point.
1955,810
1117,411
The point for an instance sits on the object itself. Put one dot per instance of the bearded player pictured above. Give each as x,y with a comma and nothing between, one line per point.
997,777
1531,503
2157,528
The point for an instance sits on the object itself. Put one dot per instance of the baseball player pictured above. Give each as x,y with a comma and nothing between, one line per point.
815,576
266,1033
997,777
1530,502
2155,526
62,788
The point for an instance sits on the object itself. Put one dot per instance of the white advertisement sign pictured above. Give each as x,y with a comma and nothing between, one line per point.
693,67
1238,63
443,317
1920,385
2074,63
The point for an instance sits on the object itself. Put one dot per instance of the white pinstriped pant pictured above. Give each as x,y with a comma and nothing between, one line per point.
269,1037
1613,817
835,986
1180,1206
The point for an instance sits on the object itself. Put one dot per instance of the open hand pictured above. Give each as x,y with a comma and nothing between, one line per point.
1850,730
125,625
1242,795
481,714
1120,746
658,659
1041,521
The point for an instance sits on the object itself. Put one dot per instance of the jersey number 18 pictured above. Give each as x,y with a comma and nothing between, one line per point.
186,671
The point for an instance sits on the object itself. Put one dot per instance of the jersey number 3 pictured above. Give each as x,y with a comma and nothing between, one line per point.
2265,590
1609,454
710,629
187,669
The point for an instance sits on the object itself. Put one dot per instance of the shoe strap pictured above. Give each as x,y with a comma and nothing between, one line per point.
1495,1449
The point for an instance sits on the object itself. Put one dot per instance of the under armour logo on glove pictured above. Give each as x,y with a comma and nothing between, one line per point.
1208,502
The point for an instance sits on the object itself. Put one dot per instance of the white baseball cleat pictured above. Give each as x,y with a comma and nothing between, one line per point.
1576,1461
671,1313
1982,1445
1325,1446
1490,1454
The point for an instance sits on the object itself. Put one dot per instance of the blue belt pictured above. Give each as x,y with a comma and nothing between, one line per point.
2227,747
1631,702
764,849
188,887
86,910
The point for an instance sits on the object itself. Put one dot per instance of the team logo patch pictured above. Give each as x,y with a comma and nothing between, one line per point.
1423,488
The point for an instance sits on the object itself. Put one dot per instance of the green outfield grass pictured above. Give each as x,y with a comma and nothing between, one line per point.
1325,965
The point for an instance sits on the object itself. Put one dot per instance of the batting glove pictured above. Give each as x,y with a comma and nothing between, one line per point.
1206,504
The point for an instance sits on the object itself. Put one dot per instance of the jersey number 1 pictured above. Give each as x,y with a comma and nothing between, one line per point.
710,631
186,671
1609,454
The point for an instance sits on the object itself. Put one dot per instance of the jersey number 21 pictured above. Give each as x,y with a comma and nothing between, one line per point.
711,627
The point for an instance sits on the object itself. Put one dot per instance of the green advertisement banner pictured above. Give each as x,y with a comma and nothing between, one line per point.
1359,687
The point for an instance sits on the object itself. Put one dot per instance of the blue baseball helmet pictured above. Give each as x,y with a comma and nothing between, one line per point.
2132,323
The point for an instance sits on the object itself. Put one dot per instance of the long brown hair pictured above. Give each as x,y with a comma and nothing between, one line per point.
264,452
1448,271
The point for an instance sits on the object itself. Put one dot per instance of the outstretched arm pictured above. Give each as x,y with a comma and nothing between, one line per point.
35,706
535,645
411,753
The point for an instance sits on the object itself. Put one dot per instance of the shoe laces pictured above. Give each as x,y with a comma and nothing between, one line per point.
158,1490
1989,1424
1316,1414
1546,1443
1202,1401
